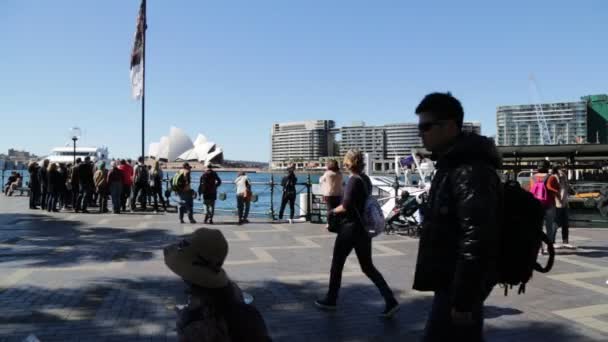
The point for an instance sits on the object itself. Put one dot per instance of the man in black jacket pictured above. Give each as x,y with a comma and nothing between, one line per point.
34,185
85,183
458,243
43,181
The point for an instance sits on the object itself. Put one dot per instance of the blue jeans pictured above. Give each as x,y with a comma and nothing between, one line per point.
186,203
550,226
243,207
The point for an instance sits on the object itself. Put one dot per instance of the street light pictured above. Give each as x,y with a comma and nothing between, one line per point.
75,134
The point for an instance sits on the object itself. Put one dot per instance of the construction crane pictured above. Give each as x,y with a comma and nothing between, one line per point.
543,128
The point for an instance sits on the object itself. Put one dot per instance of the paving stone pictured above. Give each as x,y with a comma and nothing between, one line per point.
87,297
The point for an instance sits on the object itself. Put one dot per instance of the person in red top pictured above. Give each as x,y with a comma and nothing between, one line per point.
553,189
127,183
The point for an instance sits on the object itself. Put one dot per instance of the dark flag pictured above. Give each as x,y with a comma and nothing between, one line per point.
137,58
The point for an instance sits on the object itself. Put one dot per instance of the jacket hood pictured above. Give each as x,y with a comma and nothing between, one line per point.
472,147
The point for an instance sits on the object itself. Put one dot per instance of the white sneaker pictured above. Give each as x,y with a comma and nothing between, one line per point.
569,246
290,221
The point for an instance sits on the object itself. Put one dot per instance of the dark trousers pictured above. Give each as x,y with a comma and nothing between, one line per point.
287,198
51,204
243,207
34,197
64,197
332,202
209,209
346,241
562,221
139,190
75,192
126,193
43,198
103,200
94,198
439,325
186,203
157,192
84,196
116,193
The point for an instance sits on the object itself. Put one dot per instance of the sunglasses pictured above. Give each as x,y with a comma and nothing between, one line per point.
425,126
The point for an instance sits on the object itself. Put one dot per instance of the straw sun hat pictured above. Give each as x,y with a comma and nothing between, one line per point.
199,259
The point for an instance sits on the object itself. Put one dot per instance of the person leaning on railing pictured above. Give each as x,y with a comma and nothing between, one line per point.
243,196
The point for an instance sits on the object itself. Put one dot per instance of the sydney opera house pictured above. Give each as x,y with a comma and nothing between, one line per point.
177,147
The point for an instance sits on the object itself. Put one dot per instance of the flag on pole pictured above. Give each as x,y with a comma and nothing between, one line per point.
137,58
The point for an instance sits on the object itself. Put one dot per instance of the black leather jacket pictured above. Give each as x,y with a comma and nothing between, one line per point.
459,239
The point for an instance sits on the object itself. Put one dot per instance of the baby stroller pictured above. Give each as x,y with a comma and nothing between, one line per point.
402,219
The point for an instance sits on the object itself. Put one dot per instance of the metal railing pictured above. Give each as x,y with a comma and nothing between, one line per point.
270,190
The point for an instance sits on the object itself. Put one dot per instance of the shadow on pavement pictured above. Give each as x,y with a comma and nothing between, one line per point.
143,310
49,241
585,251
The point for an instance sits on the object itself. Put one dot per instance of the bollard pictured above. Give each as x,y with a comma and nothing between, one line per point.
308,198
396,186
272,196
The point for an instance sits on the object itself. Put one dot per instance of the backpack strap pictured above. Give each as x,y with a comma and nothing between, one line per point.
551,259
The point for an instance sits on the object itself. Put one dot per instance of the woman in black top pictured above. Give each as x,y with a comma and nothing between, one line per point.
352,235
289,193
209,183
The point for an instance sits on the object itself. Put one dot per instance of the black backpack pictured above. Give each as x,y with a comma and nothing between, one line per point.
521,238
141,175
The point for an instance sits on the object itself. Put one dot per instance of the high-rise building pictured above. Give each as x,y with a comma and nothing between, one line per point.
302,141
519,125
597,118
367,139
388,141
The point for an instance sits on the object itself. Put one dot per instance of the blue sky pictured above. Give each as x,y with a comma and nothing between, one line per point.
229,69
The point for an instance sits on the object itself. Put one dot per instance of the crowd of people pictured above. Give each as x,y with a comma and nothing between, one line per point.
58,186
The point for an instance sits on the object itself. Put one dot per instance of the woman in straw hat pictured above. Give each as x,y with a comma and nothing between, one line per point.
216,311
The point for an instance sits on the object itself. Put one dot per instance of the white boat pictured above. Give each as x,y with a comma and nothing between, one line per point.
66,154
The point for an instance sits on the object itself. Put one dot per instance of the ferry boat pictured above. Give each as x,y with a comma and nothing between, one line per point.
66,154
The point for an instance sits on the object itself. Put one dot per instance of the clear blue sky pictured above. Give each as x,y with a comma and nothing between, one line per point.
229,69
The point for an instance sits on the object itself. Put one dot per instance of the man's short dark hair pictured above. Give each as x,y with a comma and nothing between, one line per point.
544,166
123,162
140,159
443,106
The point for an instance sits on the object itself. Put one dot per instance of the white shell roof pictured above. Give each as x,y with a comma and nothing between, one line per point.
178,147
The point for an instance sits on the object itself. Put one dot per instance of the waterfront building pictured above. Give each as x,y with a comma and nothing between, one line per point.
519,124
301,142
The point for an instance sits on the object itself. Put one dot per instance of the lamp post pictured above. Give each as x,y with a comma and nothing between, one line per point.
75,134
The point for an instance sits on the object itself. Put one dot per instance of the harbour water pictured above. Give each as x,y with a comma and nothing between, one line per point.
226,203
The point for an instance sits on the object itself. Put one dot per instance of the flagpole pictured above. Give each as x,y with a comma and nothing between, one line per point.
143,93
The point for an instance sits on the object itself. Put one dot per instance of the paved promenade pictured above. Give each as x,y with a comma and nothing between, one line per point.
91,277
